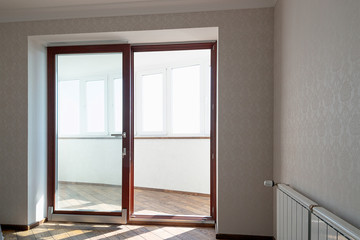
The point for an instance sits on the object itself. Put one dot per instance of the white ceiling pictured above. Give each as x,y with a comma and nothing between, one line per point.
30,10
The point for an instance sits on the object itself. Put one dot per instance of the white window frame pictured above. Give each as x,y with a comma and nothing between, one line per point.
166,70
83,110
80,103
111,101
109,114
171,100
206,70
138,106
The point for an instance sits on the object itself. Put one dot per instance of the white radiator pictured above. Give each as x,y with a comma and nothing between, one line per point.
325,225
293,214
299,218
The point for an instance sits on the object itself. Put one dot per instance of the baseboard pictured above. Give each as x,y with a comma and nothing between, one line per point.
242,237
140,188
22,227
89,184
173,191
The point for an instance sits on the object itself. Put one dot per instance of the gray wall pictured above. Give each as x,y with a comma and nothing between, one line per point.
317,102
245,141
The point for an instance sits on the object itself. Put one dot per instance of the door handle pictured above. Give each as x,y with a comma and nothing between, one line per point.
123,135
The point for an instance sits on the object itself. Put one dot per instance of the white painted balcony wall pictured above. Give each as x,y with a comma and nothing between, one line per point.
172,164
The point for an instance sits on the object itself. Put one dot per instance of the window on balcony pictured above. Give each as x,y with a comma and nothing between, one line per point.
90,106
173,100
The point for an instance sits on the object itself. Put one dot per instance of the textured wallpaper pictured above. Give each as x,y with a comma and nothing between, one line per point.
245,116
317,102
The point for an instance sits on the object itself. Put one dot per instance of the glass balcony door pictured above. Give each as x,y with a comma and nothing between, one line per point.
91,96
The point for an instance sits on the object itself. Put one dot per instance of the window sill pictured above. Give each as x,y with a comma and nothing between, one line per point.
91,137
119,137
197,137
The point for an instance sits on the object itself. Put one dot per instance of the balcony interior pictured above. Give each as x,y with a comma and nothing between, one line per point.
107,198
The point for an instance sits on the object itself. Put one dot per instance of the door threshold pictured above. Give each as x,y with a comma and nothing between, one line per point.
172,220
86,218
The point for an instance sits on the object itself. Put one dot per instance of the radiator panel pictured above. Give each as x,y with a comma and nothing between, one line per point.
314,227
299,218
292,218
321,230
305,224
341,237
332,234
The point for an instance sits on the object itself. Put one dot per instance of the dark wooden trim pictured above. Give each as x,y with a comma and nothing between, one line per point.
51,125
51,117
22,227
91,49
128,118
15,227
173,191
126,126
35,224
242,237
213,113
172,47
171,137
132,133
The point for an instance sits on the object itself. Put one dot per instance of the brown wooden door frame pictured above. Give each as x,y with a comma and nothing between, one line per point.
173,47
128,122
51,118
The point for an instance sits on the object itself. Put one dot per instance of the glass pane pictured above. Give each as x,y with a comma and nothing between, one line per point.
89,162
95,106
69,107
118,104
186,100
152,96
172,173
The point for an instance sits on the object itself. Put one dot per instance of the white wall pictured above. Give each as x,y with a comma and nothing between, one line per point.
173,164
37,133
90,160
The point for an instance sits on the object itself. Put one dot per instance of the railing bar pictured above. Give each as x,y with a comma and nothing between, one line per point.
306,202
337,223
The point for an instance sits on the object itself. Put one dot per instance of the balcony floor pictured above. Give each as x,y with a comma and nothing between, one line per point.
95,197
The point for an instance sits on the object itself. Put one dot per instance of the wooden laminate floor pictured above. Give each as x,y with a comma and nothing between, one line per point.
69,231
91,197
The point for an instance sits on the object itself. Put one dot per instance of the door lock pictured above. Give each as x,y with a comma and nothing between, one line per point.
124,152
